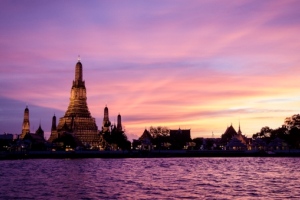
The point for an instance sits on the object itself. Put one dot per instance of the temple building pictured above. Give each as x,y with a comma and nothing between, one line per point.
229,133
241,137
26,123
145,141
181,134
233,140
179,138
34,141
77,119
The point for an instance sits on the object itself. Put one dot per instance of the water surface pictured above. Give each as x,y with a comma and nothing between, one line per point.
151,178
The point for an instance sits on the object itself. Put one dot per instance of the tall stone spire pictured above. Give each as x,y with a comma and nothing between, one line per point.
106,123
239,131
77,118
119,124
78,72
54,133
26,123
53,128
106,116
78,104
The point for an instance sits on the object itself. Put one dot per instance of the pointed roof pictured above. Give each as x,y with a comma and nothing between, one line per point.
79,63
228,134
106,108
230,131
241,138
39,130
146,135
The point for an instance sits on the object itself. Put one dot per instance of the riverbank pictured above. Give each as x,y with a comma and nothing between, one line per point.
143,154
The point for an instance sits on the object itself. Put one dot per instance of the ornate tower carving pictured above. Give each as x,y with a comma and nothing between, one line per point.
119,124
78,119
26,123
106,123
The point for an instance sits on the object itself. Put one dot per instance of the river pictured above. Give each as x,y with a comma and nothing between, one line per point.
151,178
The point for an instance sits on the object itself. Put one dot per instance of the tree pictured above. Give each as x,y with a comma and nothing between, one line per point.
161,137
160,131
119,138
279,133
67,139
265,134
294,138
266,131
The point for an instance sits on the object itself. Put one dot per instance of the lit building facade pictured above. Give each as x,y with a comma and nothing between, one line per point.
26,123
77,119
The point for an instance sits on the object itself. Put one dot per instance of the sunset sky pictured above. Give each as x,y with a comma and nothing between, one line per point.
198,65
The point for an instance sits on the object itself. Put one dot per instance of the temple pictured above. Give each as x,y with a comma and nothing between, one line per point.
33,140
77,119
233,140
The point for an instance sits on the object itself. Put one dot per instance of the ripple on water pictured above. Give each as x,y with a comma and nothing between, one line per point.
155,178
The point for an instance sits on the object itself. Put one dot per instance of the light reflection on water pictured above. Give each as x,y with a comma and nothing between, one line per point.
151,178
